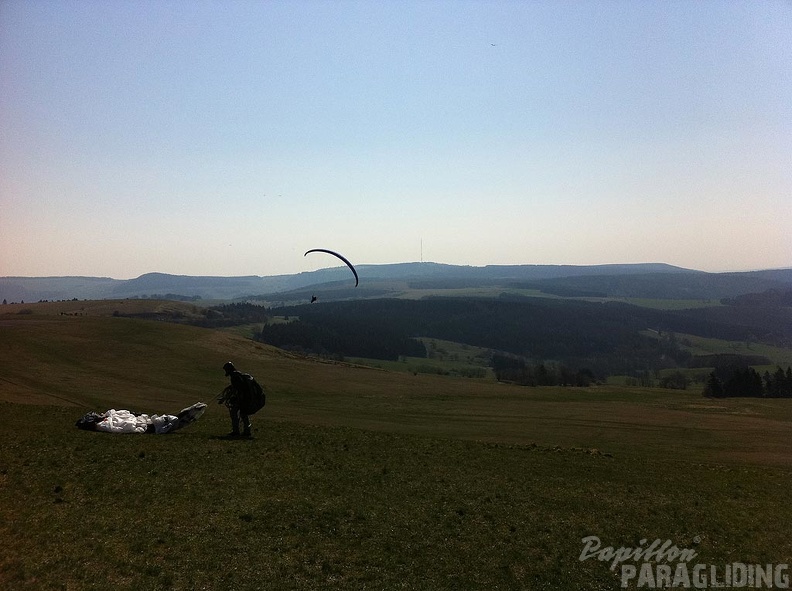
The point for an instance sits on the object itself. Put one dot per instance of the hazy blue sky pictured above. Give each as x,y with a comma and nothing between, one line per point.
228,137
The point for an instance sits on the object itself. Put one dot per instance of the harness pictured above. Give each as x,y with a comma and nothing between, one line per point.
228,396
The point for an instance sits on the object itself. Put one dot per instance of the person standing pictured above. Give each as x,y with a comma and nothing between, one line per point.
236,397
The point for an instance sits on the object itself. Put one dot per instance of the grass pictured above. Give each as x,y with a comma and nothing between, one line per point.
306,506
443,358
404,291
667,304
358,478
779,356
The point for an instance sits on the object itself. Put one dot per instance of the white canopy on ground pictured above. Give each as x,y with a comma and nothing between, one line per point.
125,421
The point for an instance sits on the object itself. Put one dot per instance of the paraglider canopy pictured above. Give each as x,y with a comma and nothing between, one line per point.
335,254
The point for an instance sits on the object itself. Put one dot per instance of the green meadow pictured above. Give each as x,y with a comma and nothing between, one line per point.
358,477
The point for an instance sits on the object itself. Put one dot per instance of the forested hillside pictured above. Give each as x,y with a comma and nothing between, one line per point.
606,338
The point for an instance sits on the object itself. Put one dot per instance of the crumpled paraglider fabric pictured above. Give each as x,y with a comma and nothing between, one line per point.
125,421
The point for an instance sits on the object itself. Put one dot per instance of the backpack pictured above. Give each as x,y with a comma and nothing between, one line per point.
256,397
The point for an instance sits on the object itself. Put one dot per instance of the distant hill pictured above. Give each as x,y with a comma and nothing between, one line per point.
609,338
634,280
674,286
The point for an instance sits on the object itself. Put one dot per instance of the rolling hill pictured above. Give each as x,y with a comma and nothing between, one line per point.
357,478
83,356
659,280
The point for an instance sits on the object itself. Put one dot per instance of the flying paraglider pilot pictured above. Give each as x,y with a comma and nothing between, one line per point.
235,397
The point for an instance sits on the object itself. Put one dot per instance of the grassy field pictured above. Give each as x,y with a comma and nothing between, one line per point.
696,345
403,290
442,358
357,478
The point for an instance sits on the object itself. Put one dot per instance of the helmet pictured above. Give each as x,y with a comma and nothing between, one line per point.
228,368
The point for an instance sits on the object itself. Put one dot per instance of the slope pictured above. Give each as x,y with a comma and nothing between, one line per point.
100,362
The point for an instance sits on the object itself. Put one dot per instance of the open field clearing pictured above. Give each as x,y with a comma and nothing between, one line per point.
704,346
662,304
358,478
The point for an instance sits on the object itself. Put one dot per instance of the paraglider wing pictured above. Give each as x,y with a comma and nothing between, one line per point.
125,421
335,254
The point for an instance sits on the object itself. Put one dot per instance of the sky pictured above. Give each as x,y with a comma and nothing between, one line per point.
228,137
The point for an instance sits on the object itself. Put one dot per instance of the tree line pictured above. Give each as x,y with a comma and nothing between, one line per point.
519,371
604,339
556,341
747,382
343,336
